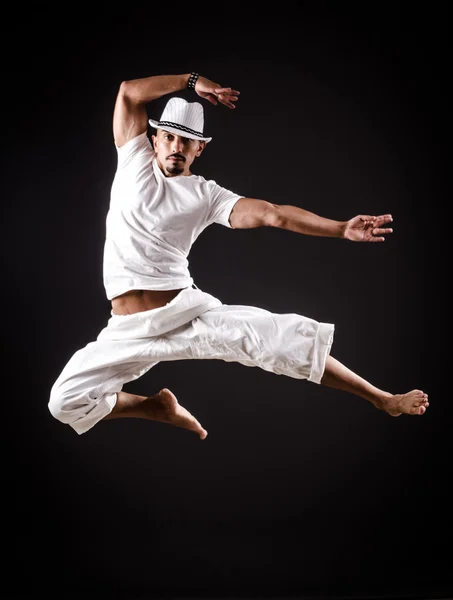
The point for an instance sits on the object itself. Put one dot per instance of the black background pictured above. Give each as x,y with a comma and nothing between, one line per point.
299,490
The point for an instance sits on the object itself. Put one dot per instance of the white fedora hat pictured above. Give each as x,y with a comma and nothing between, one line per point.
182,118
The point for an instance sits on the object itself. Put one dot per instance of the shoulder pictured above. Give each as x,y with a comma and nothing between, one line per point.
210,189
210,185
141,140
138,146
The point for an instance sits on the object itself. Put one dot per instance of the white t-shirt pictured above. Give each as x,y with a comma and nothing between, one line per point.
153,221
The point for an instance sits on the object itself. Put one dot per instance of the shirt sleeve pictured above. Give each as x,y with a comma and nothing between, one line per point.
136,150
221,204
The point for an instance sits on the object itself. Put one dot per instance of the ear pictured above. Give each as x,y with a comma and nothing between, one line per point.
154,138
201,147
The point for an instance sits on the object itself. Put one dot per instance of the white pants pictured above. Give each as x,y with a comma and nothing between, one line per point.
193,325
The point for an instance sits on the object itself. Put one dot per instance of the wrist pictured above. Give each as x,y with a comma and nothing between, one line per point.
192,80
342,230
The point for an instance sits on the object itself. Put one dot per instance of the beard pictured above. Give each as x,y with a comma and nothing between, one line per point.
174,170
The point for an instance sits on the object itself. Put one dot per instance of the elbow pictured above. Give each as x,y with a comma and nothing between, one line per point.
125,89
130,92
274,216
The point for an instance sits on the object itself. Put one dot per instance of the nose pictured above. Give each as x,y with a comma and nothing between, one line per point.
177,145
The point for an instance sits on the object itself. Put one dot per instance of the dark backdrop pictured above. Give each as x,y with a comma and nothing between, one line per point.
299,490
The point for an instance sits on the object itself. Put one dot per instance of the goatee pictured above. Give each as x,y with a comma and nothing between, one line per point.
175,170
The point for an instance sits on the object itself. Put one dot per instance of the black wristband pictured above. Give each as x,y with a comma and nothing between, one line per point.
192,80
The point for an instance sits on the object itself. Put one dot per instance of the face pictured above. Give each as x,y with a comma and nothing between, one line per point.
175,153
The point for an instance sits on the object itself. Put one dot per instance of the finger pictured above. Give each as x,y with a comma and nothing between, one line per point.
384,219
367,219
226,101
227,90
212,99
382,230
227,97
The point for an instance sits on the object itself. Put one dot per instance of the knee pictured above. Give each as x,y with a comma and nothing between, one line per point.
56,402
63,403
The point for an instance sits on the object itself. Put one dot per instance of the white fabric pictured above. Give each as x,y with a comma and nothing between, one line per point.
153,221
194,325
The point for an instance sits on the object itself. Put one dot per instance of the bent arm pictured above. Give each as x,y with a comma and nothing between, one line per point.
248,213
130,117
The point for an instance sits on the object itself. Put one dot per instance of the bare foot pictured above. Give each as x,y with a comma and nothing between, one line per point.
412,403
165,408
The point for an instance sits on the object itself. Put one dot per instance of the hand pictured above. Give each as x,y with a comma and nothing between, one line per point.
365,228
214,93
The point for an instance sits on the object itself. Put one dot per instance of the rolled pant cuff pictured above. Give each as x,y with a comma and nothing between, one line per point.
103,408
321,351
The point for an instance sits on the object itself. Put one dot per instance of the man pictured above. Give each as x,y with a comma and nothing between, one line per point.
157,210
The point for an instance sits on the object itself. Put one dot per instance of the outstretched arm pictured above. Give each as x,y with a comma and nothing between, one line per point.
251,212
130,117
